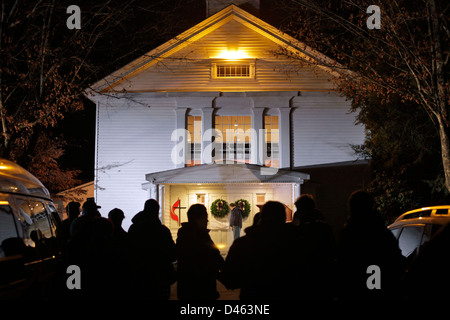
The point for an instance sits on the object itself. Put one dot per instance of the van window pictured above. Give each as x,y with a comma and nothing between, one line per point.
441,211
7,226
35,221
410,240
395,232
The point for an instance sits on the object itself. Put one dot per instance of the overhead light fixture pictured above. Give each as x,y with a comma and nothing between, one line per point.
232,54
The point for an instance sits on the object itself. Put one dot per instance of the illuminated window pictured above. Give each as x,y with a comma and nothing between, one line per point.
232,140
272,138
201,198
194,127
260,198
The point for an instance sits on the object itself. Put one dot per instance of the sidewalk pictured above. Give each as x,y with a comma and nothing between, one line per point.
224,293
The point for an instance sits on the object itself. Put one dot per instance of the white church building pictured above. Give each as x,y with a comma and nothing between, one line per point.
218,113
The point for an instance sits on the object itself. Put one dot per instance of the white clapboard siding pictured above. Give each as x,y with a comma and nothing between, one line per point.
323,129
132,141
189,69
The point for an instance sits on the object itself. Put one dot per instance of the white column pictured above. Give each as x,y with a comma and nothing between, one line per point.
161,201
285,137
153,191
296,191
207,124
257,139
181,124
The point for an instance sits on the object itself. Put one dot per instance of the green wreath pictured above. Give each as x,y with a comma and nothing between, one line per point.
219,211
247,207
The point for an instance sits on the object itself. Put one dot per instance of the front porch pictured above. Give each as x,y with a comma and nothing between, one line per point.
230,182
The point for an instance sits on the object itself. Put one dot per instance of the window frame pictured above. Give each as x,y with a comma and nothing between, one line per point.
194,147
223,144
250,63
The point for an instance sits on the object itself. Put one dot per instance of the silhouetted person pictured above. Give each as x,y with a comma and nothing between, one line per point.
316,277
365,241
120,236
90,248
260,262
121,247
306,210
73,211
199,260
89,211
152,252
236,220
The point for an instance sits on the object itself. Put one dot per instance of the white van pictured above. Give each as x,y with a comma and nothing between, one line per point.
30,230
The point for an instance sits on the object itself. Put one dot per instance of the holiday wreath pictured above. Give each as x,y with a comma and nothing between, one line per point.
219,208
246,207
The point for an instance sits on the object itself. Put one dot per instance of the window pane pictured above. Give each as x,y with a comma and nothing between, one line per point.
233,70
275,136
7,227
260,198
410,240
218,120
248,120
190,120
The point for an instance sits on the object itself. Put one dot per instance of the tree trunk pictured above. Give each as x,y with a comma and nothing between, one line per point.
440,93
445,150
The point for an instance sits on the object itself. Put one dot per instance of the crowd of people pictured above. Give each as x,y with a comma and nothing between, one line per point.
273,260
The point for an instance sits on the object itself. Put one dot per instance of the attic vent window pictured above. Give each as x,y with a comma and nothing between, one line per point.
233,71
236,70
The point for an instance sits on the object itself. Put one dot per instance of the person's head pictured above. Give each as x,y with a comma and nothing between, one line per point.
273,213
305,203
116,216
232,205
257,218
198,216
361,204
90,208
152,207
73,210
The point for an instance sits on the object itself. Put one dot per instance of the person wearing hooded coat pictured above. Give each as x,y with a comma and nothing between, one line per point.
152,253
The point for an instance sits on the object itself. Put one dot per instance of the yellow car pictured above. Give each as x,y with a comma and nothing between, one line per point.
415,228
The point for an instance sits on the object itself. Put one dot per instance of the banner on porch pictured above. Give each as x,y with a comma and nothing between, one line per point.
173,215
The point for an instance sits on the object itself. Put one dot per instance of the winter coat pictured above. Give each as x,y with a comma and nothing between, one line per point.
236,217
199,263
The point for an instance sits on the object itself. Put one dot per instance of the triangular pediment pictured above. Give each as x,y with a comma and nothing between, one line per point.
185,62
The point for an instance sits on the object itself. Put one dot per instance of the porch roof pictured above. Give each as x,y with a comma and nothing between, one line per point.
226,173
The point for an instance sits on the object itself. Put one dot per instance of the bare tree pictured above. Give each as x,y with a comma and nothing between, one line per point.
407,57
45,67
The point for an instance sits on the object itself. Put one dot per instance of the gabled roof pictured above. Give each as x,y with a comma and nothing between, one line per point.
226,173
205,27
